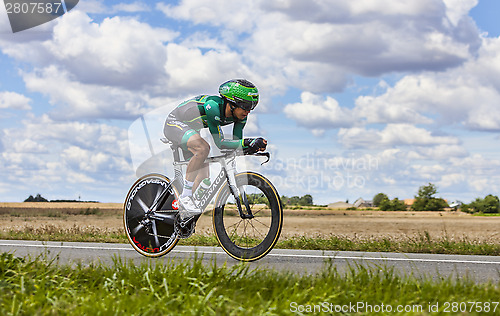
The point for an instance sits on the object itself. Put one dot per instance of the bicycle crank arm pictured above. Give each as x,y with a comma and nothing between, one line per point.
168,219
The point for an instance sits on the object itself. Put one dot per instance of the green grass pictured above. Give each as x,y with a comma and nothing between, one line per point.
422,243
56,233
40,287
486,214
56,212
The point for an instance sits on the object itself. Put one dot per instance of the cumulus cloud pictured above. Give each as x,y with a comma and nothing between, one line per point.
121,67
95,70
370,37
392,135
317,114
43,152
117,52
92,136
100,7
392,107
467,95
190,68
136,6
229,14
306,43
75,100
14,100
28,146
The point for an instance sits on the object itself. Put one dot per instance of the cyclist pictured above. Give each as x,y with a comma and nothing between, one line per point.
237,98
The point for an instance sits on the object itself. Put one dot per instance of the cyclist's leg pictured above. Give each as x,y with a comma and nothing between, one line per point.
202,174
199,149
197,167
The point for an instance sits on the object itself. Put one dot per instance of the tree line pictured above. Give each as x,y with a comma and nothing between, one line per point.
40,198
425,200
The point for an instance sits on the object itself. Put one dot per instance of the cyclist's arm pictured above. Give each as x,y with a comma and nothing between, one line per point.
238,129
214,125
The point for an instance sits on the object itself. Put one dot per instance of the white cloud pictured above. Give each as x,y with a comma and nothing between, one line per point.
318,46
191,69
366,37
75,100
458,9
14,100
92,6
88,161
232,14
28,146
47,154
380,110
467,95
136,6
54,135
392,135
117,52
122,67
318,114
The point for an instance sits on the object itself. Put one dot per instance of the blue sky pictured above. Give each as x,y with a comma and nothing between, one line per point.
357,97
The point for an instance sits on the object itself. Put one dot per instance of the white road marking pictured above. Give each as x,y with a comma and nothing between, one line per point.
270,254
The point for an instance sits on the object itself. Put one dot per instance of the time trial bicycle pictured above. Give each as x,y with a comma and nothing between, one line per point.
247,213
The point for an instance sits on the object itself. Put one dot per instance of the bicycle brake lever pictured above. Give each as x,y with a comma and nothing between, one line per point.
266,154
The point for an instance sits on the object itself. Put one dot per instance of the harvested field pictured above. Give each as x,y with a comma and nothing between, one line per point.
311,223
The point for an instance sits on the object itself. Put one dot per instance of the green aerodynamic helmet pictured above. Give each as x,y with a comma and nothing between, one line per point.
242,93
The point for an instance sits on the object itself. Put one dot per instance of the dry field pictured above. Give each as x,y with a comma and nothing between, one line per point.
359,224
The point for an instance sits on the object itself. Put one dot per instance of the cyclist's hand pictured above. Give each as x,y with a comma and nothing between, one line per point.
253,145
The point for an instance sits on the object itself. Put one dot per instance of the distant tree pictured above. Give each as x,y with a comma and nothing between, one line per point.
377,199
306,200
296,200
37,198
490,204
425,200
257,199
394,205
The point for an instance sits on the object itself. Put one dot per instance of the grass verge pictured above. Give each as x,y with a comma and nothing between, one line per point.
422,243
41,287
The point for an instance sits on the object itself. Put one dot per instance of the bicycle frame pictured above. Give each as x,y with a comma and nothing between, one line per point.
227,173
153,224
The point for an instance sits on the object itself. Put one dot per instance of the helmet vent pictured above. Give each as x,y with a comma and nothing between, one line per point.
245,83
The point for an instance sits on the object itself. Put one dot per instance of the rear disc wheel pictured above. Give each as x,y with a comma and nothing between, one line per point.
152,234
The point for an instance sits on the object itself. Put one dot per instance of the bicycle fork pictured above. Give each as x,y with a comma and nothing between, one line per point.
239,195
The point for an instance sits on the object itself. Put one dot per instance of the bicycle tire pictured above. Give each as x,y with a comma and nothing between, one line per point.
157,237
248,239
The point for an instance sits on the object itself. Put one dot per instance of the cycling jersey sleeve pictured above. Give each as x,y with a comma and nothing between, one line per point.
212,111
238,129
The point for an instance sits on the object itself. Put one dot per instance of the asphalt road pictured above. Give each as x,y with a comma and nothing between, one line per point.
479,268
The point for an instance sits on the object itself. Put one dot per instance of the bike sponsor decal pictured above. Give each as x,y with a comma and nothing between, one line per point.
175,205
141,185
215,185
143,248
